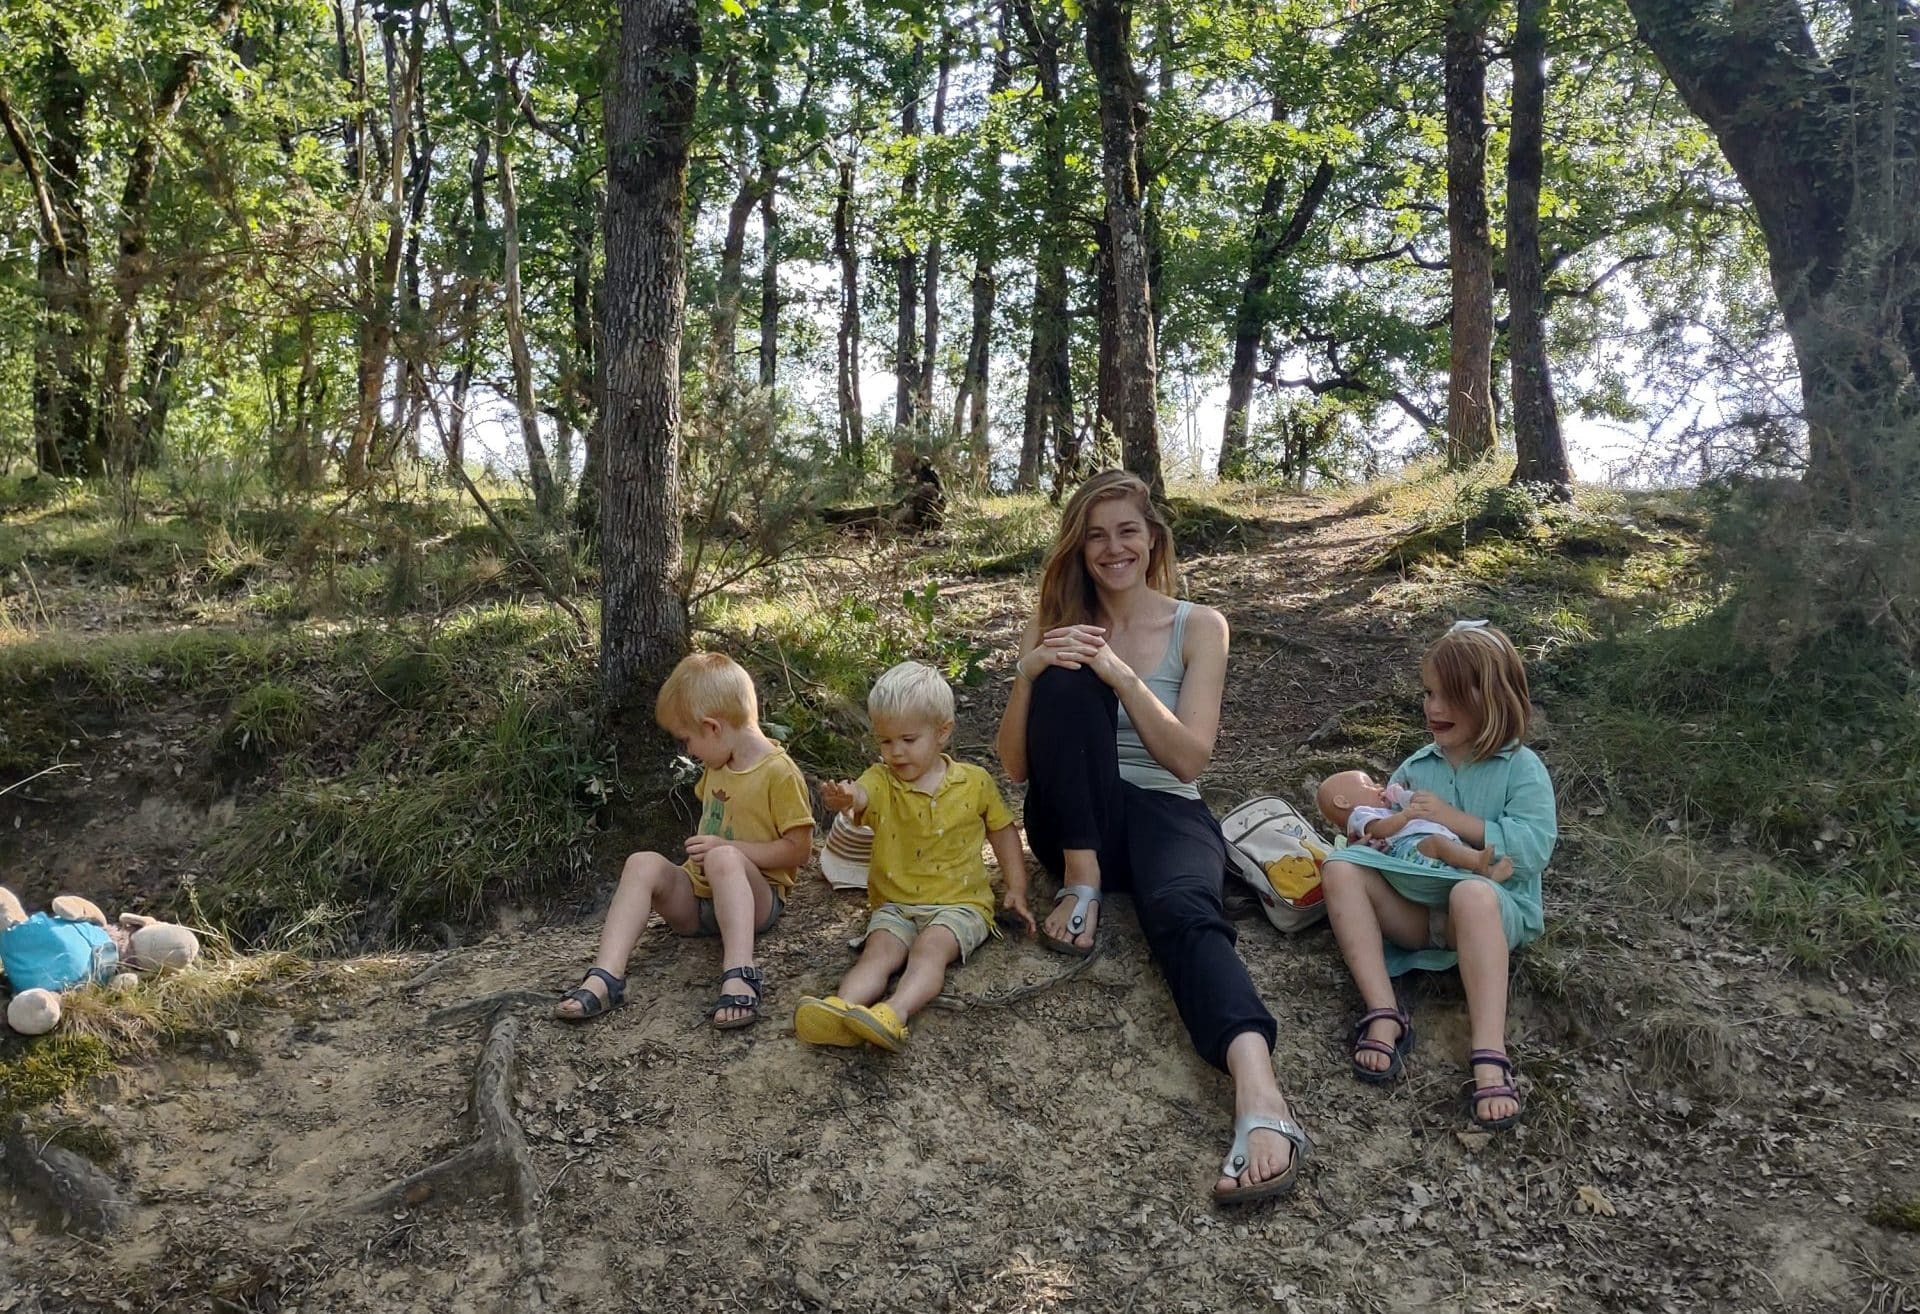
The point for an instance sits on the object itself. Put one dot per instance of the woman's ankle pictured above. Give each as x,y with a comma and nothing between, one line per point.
1080,867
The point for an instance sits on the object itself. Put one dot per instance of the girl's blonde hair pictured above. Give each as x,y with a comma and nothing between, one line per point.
707,684
1476,668
1066,590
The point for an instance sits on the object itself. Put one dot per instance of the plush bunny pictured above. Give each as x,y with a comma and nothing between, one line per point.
74,944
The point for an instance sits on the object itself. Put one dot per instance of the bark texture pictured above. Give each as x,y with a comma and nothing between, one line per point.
1537,438
1471,430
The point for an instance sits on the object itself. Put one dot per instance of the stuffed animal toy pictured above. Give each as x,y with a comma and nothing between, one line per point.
73,944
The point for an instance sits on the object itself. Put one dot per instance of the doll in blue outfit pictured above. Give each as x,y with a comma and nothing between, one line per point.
1393,913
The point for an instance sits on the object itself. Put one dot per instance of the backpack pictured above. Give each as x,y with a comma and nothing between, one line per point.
53,953
1272,848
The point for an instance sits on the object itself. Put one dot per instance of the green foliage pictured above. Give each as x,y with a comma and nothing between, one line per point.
1900,1215
270,717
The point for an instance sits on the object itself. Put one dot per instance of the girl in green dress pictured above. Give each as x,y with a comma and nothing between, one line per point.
1391,915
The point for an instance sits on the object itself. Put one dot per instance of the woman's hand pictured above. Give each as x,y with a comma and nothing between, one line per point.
1069,647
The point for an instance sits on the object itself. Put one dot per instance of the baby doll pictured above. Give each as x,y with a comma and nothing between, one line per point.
1366,810
77,944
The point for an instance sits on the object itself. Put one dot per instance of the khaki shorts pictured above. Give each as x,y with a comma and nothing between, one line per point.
905,921
710,925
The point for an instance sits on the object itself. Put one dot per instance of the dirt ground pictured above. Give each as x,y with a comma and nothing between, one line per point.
1706,1129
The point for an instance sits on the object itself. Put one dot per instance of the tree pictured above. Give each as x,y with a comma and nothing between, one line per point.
1536,415
1470,417
649,121
1133,407
1822,138
1047,415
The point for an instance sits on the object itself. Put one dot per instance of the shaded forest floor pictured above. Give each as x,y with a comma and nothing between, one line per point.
1709,1124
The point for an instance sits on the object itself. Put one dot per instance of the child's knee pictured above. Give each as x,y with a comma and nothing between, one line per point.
1337,877
936,944
647,868
1472,900
725,862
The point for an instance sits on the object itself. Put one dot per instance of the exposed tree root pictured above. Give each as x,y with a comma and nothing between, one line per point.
1007,998
74,1191
497,1156
487,1004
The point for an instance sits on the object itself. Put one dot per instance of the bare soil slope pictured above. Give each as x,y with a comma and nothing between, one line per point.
1705,1128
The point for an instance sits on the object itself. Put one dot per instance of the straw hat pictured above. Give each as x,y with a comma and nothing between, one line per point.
846,854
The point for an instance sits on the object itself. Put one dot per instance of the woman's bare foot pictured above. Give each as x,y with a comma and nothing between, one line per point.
1269,1154
1055,927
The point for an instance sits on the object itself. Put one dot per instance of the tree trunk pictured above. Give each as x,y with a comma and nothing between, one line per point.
133,268
649,108
1047,415
469,237
1270,241
726,306
853,442
547,494
1536,416
583,367
906,283
1824,149
1133,408
930,296
65,435
769,279
377,286
1471,429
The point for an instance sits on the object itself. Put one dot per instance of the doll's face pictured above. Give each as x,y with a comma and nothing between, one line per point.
1341,793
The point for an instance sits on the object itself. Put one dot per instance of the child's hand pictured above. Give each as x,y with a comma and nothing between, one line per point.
843,796
1016,903
699,846
1429,806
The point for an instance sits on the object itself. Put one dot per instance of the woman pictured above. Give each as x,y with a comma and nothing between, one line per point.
1109,756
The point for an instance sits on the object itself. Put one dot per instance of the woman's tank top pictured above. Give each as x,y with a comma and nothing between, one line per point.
1137,765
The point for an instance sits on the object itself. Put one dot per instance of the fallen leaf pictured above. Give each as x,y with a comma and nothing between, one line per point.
1594,1202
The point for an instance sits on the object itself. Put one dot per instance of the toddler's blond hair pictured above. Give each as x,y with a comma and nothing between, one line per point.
911,690
707,684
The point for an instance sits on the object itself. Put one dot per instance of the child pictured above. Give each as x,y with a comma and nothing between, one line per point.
756,831
1364,810
927,886
1390,915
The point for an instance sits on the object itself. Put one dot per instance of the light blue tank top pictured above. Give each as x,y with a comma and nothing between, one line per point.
1137,765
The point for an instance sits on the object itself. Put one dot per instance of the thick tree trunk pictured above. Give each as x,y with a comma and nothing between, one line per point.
853,440
1536,416
1471,428
970,399
469,236
583,364
1824,149
1047,414
547,493
649,108
66,441
1133,407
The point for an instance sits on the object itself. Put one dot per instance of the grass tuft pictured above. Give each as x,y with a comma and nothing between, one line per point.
1900,1215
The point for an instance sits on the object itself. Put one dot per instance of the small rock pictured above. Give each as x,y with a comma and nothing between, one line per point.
418,1194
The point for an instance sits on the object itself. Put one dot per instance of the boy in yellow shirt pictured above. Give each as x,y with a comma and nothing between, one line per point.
756,831
926,884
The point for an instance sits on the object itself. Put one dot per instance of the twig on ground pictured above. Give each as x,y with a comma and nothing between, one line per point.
44,771
433,969
497,1153
1008,998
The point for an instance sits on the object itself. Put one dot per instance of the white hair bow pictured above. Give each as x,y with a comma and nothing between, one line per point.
1459,625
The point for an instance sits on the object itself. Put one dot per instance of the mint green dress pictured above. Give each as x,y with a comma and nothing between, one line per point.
1511,792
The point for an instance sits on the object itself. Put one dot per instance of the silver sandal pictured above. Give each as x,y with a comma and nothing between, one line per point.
1082,896
1237,1159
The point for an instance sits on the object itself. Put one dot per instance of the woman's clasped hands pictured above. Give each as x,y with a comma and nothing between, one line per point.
1071,647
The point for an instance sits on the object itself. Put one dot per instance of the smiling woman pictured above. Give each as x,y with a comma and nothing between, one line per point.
1110,756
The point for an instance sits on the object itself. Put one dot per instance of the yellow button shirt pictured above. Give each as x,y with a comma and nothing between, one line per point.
926,847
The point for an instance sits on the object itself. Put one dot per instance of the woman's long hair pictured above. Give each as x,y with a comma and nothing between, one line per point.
1066,590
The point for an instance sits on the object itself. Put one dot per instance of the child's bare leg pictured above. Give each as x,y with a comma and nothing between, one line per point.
880,957
1363,907
1079,867
1474,923
1458,853
934,950
647,881
742,899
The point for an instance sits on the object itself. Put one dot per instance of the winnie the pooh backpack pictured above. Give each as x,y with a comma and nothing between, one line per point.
1271,847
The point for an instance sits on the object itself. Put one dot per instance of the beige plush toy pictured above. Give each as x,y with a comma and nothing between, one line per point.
144,945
